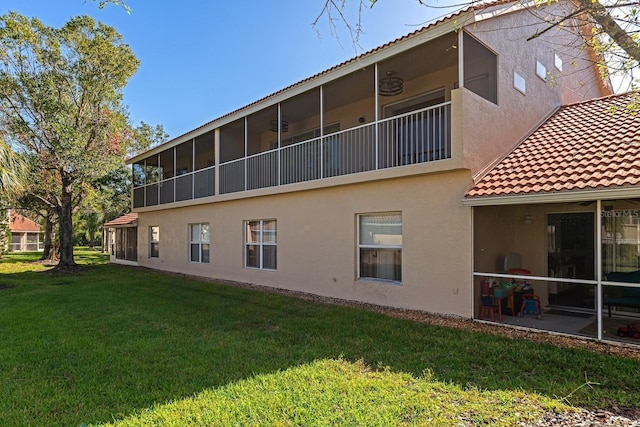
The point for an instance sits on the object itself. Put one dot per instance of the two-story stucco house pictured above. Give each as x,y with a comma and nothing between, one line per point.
359,182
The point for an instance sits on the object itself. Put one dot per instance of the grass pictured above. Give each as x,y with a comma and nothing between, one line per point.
134,347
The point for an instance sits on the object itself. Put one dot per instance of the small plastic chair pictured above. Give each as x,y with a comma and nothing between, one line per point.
531,305
487,306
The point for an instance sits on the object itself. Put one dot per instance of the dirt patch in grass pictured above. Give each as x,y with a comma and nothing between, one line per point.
4,286
67,270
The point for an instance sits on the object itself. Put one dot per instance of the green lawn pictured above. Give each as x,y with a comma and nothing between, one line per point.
133,347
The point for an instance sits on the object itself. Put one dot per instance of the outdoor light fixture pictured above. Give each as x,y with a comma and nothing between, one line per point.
273,125
390,85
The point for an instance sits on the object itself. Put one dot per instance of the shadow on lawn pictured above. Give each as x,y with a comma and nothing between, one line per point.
115,339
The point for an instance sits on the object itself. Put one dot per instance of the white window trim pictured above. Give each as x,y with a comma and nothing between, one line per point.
151,241
261,243
541,71
519,83
557,62
199,242
361,246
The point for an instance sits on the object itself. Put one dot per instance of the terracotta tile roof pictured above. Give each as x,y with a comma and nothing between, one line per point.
588,145
19,222
126,219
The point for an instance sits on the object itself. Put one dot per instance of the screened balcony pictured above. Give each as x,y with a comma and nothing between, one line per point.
390,113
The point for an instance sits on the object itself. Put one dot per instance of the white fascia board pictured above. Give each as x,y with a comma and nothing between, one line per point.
440,29
503,9
568,196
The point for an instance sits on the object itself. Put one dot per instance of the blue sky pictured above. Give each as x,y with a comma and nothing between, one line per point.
201,59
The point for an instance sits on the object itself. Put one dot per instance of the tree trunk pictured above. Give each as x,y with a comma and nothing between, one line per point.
66,224
49,236
602,16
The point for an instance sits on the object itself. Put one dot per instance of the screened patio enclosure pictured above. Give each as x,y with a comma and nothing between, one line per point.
122,239
580,259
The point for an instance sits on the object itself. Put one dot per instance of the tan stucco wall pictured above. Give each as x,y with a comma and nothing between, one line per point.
317,241
490,130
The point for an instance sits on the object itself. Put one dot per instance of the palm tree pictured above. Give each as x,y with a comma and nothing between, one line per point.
12,172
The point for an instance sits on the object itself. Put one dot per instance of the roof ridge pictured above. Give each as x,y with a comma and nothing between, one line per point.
601,98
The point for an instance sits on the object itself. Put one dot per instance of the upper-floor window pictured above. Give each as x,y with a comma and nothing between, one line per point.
261,244
199,242
380,246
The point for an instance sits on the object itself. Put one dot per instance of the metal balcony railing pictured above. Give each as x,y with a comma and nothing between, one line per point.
416,137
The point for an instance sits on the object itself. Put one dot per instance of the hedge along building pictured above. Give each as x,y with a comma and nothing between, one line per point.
353,183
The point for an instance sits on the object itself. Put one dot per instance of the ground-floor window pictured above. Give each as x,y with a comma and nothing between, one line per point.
380,246
154,241
199,236
261,244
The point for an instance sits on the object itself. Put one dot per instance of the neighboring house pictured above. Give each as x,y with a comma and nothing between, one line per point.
363,181
25,233
122,235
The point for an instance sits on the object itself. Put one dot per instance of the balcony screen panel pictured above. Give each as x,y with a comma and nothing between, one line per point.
120,243
204,151
131,244
184,158
152,169
138,197
480,69
152,194
350,151
262,170
184,187
300,162
166,191
166,164
139,175
232,138
232,177
204,183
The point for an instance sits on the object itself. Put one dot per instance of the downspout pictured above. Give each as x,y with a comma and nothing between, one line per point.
279,141
216,155
377,115
599,266
473,261
321,131
460,59
246,137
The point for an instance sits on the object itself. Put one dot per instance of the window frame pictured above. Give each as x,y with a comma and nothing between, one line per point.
360,246
261,244
200,243
152,242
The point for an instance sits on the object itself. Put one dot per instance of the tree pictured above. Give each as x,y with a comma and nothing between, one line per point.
12,179
61,102
12,173
611,29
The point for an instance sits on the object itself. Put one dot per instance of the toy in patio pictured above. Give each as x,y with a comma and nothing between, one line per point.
631,330
531,305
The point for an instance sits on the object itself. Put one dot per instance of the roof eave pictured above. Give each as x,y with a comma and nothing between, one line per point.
557,197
